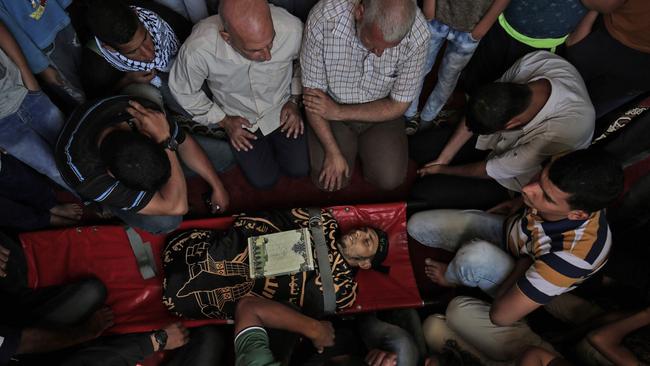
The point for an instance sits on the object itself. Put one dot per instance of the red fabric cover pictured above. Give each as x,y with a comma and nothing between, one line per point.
58,256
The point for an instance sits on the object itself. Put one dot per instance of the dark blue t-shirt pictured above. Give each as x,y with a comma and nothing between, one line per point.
545,18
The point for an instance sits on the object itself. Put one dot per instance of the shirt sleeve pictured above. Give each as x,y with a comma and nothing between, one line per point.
409,73
524,160
9,342
36,60
312,60
252,348
550,276
185,81
109,191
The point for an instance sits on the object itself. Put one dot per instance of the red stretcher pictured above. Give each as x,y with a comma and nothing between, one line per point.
58,256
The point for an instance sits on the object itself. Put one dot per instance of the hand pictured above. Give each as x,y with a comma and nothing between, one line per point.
318,102
139,77
220,199
149,122
432,167
51,76
478,34
291,120
239,136
177,336
4,258
377,357
508,207
335,169
324,336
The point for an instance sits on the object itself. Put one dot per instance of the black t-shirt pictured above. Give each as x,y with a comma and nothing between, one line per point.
78,159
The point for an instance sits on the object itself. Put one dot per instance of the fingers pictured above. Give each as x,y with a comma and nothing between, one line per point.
138,107
424,171
241,141
295,128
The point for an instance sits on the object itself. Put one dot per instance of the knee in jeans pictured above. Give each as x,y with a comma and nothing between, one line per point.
474,255
422,227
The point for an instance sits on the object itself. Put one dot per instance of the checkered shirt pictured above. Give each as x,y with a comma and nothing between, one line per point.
334,60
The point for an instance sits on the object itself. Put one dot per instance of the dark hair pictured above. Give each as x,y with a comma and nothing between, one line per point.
135,160
494,104
593,178
112,21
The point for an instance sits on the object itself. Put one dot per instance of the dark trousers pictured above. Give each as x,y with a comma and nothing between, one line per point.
450,191
205,347
50,307
613,72
25,196
382,148
271,155
494,55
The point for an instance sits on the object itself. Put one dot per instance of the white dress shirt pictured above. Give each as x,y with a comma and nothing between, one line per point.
240,87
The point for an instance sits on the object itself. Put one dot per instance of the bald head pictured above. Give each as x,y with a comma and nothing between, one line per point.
248,27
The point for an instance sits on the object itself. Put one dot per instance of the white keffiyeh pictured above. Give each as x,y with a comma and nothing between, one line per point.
164,40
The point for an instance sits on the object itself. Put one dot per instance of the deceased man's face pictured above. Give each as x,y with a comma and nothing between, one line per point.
359,246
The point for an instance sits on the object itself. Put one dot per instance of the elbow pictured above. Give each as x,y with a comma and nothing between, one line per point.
499,318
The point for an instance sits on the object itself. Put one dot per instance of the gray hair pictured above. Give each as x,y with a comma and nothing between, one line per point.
393,17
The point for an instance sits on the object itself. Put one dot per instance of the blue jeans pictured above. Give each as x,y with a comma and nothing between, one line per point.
30,134
460,48
477,238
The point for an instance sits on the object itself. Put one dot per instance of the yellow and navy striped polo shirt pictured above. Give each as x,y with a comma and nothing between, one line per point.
565,252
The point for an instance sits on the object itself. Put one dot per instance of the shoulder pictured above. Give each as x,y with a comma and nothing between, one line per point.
326,10
542,64
284,22
205,34
419,34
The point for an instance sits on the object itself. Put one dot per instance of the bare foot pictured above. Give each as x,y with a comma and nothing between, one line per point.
435,271
94,326
62,221
72,211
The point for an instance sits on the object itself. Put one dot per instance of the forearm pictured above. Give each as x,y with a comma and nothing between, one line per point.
12,49
174,192
429,9
521,266
608,338
195,158
475,170
323,131
490,16
583,28
254,311
381,110
458,139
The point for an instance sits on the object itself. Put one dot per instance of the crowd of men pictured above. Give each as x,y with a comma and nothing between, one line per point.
119,102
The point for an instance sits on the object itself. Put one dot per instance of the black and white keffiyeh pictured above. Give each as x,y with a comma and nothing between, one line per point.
164,40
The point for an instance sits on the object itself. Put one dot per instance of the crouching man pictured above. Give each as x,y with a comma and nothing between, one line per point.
559,239
126,155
